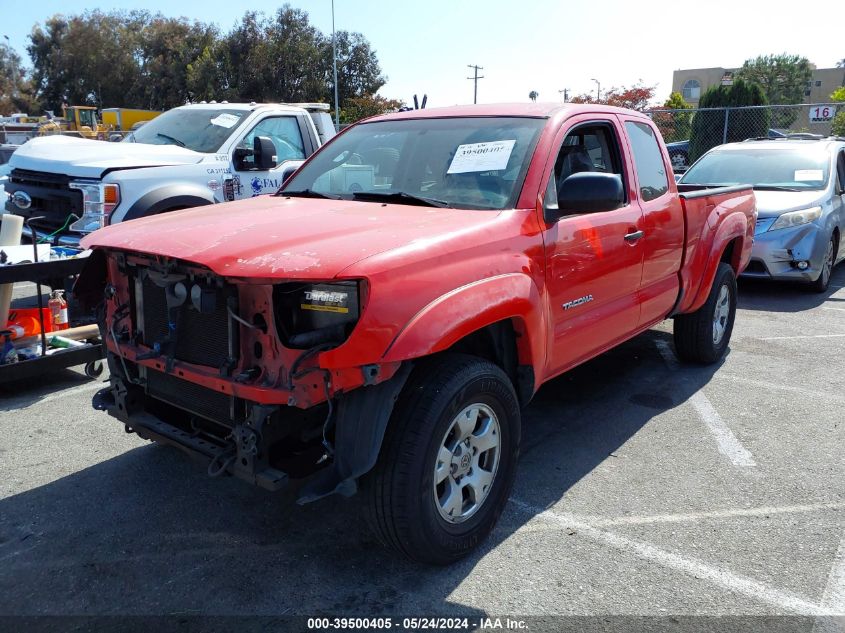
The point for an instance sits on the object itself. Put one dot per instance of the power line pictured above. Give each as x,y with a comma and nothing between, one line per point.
475,79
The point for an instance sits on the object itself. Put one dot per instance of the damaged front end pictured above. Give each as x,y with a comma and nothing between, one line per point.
228,370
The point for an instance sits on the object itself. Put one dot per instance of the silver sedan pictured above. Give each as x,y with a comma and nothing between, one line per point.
800,191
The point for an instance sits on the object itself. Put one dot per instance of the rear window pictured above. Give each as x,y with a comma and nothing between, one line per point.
648,159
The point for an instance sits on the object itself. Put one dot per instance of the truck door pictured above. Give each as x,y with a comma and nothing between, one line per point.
287,135
593,260
663,223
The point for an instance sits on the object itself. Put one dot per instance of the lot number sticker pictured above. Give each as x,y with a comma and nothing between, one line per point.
225,120
821,114
807,175
481,157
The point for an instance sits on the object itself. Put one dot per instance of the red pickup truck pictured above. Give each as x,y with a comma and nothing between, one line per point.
380,322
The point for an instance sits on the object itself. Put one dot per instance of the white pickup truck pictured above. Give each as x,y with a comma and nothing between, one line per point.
190,156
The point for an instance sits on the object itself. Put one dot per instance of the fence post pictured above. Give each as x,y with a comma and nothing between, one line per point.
725,131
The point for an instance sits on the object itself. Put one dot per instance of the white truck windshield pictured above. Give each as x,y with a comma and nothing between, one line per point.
202,129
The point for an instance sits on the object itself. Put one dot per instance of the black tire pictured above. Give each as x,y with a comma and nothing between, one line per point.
401,504
694,333
823,280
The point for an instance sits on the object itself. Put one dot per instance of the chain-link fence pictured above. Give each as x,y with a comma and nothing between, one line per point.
690,133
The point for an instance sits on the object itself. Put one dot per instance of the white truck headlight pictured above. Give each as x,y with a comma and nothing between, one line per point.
797,218
98,201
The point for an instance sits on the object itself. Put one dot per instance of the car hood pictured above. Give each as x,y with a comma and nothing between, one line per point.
86,158
290,238
771,204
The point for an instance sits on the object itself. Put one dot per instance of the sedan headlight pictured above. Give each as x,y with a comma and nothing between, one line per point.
312,314
98,201
797,218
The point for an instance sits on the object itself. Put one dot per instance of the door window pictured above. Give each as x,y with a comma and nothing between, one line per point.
651,172
285,134
590,147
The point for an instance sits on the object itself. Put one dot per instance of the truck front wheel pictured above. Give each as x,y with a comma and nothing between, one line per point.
703,336
448,460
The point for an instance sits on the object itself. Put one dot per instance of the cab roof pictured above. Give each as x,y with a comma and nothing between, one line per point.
536,110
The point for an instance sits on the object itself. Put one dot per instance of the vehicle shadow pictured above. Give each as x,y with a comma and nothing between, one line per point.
771,296
147,532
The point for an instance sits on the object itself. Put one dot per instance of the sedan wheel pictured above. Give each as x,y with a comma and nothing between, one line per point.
820,284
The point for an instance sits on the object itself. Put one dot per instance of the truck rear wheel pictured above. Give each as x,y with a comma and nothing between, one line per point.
703,336
448,460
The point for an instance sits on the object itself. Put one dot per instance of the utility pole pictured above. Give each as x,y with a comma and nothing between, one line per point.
598,89
565,93
475,80
334,64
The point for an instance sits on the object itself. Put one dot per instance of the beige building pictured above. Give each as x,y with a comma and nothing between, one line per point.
694,82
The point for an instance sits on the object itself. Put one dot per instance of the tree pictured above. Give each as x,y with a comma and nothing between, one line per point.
714,127
533,95
15,88
674,125
357,108
635,97
783,78
358,69
837,128
841,63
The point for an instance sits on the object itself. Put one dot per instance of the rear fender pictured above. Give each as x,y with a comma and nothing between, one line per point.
732,227
448,319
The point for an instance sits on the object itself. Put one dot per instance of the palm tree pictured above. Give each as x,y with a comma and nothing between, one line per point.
533,95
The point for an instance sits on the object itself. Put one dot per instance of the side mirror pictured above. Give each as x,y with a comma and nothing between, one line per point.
587,192
264,152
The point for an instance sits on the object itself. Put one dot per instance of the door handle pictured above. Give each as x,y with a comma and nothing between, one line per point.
633,237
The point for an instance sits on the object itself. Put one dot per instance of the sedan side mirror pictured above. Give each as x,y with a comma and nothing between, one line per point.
587,192
264,152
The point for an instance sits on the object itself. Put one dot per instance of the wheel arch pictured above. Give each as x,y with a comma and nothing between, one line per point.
167,198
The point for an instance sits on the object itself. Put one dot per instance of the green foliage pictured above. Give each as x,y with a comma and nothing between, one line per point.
15,88
837,128
139,59
357,108
674,126
708,126
783,79
838,95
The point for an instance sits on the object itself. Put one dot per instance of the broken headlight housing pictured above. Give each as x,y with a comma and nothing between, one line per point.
796,218
309,314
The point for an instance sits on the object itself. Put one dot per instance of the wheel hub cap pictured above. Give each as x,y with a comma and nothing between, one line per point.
466,464
720,314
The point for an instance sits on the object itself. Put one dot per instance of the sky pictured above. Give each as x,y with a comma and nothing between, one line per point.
425,47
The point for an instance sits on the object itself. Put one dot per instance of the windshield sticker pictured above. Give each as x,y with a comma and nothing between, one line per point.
225,120
481,157
803,175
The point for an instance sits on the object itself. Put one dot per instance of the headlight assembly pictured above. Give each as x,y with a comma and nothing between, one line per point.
98,201
312,314
797,218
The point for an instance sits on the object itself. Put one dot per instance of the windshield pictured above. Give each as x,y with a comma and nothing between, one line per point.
800,168
466,162
200,129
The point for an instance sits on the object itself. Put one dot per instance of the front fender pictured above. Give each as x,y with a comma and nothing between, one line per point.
451,317
168,197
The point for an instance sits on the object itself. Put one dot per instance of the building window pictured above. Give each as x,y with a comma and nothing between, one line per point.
818,83
692,90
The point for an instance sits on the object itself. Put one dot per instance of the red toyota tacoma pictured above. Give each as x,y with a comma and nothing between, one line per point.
380,322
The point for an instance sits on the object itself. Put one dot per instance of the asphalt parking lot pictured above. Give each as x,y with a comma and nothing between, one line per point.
644,488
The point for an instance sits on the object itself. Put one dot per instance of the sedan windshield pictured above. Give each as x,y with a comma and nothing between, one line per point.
200,129
465,163
796,168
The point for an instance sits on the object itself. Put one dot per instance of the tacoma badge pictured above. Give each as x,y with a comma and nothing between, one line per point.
577,302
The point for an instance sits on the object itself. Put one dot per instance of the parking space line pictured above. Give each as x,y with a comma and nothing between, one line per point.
726,442
715,514
834,592
690,566
829,308
786,338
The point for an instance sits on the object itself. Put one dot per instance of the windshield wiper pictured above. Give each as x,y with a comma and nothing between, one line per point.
779,188
400,197
309,193
170,138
